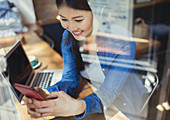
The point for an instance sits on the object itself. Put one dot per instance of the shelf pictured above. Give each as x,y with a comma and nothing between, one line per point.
153,2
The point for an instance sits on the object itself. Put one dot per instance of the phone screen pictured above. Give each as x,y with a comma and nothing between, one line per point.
29,91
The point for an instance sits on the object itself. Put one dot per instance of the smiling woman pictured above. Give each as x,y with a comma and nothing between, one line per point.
98,66
79,23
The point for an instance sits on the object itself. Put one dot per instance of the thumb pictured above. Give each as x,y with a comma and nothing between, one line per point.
53,95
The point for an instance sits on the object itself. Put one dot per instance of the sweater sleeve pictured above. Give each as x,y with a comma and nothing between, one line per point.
93,105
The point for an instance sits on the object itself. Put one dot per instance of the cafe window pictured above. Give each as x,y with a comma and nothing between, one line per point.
119,26
126,59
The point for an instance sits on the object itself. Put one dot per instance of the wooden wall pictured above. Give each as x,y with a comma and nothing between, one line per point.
45,9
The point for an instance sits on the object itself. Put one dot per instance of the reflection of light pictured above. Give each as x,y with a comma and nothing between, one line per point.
119,116
147,82
150,82
163,107
149,88
58,17
140,40
166,105
160,108
110,61
148,85
2,51
88,47
151,78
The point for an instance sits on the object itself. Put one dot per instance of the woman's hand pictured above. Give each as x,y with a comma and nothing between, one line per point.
63,105
29,102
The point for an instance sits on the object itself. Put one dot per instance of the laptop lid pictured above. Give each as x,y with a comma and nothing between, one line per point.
19,69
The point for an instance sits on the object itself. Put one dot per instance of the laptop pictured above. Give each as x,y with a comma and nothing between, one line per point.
19,70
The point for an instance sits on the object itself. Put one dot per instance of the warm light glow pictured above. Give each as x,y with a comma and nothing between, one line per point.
2,52
160,108
140,40
166,105
58,17
119,116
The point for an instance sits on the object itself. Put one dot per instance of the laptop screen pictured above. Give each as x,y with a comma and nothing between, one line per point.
19,68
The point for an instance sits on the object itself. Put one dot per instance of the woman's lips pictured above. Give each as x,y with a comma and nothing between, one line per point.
78,33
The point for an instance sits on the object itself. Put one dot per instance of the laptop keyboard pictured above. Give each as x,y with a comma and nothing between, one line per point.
43,80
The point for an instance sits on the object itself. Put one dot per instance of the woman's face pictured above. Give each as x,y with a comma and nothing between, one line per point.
78,22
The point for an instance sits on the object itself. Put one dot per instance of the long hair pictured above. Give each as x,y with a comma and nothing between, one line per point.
80,5
75,4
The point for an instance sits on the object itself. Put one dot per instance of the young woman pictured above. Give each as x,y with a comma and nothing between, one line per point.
78,19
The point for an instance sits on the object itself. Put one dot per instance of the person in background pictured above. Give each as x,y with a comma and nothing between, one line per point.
77,18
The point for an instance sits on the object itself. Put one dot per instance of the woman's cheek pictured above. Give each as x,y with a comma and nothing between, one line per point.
64,25
86,25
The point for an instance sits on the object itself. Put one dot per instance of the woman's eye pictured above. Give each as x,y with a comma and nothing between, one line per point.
64,19
79,20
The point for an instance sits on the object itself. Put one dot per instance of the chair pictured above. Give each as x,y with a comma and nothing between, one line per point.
134,98
150,82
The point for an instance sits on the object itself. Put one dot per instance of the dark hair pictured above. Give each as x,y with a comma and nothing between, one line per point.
75,4
80,5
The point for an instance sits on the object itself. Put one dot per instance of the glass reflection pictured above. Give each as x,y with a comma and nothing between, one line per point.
122,80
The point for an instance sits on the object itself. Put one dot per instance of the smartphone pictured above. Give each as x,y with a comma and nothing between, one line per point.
29,91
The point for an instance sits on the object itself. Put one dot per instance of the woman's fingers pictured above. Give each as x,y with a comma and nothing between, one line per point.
37,104
62,106
44,110
43,104
42,92
53,95
46,114
27,100
31,105
33,113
